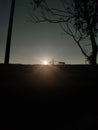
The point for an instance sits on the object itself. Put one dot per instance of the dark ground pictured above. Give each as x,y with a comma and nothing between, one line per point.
49,97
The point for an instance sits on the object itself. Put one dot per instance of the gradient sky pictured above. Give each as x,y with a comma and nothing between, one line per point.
34,43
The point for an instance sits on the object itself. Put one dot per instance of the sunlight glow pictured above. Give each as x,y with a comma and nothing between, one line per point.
45,62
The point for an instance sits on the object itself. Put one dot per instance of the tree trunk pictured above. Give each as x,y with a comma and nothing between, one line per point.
93,57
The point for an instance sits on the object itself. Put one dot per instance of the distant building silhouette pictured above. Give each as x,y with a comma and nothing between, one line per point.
61,63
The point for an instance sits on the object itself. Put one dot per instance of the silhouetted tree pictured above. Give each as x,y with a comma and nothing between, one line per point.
7,53
77,18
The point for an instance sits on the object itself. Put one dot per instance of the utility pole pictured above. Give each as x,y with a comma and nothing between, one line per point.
8,42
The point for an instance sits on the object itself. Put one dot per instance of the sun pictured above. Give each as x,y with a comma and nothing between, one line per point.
45,62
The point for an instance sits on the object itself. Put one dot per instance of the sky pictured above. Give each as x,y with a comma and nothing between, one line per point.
33,43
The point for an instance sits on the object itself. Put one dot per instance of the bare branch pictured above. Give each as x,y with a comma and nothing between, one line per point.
77,18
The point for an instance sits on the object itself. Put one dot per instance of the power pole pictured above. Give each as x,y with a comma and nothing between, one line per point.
8,43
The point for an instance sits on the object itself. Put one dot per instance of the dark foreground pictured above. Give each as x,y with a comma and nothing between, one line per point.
49,97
